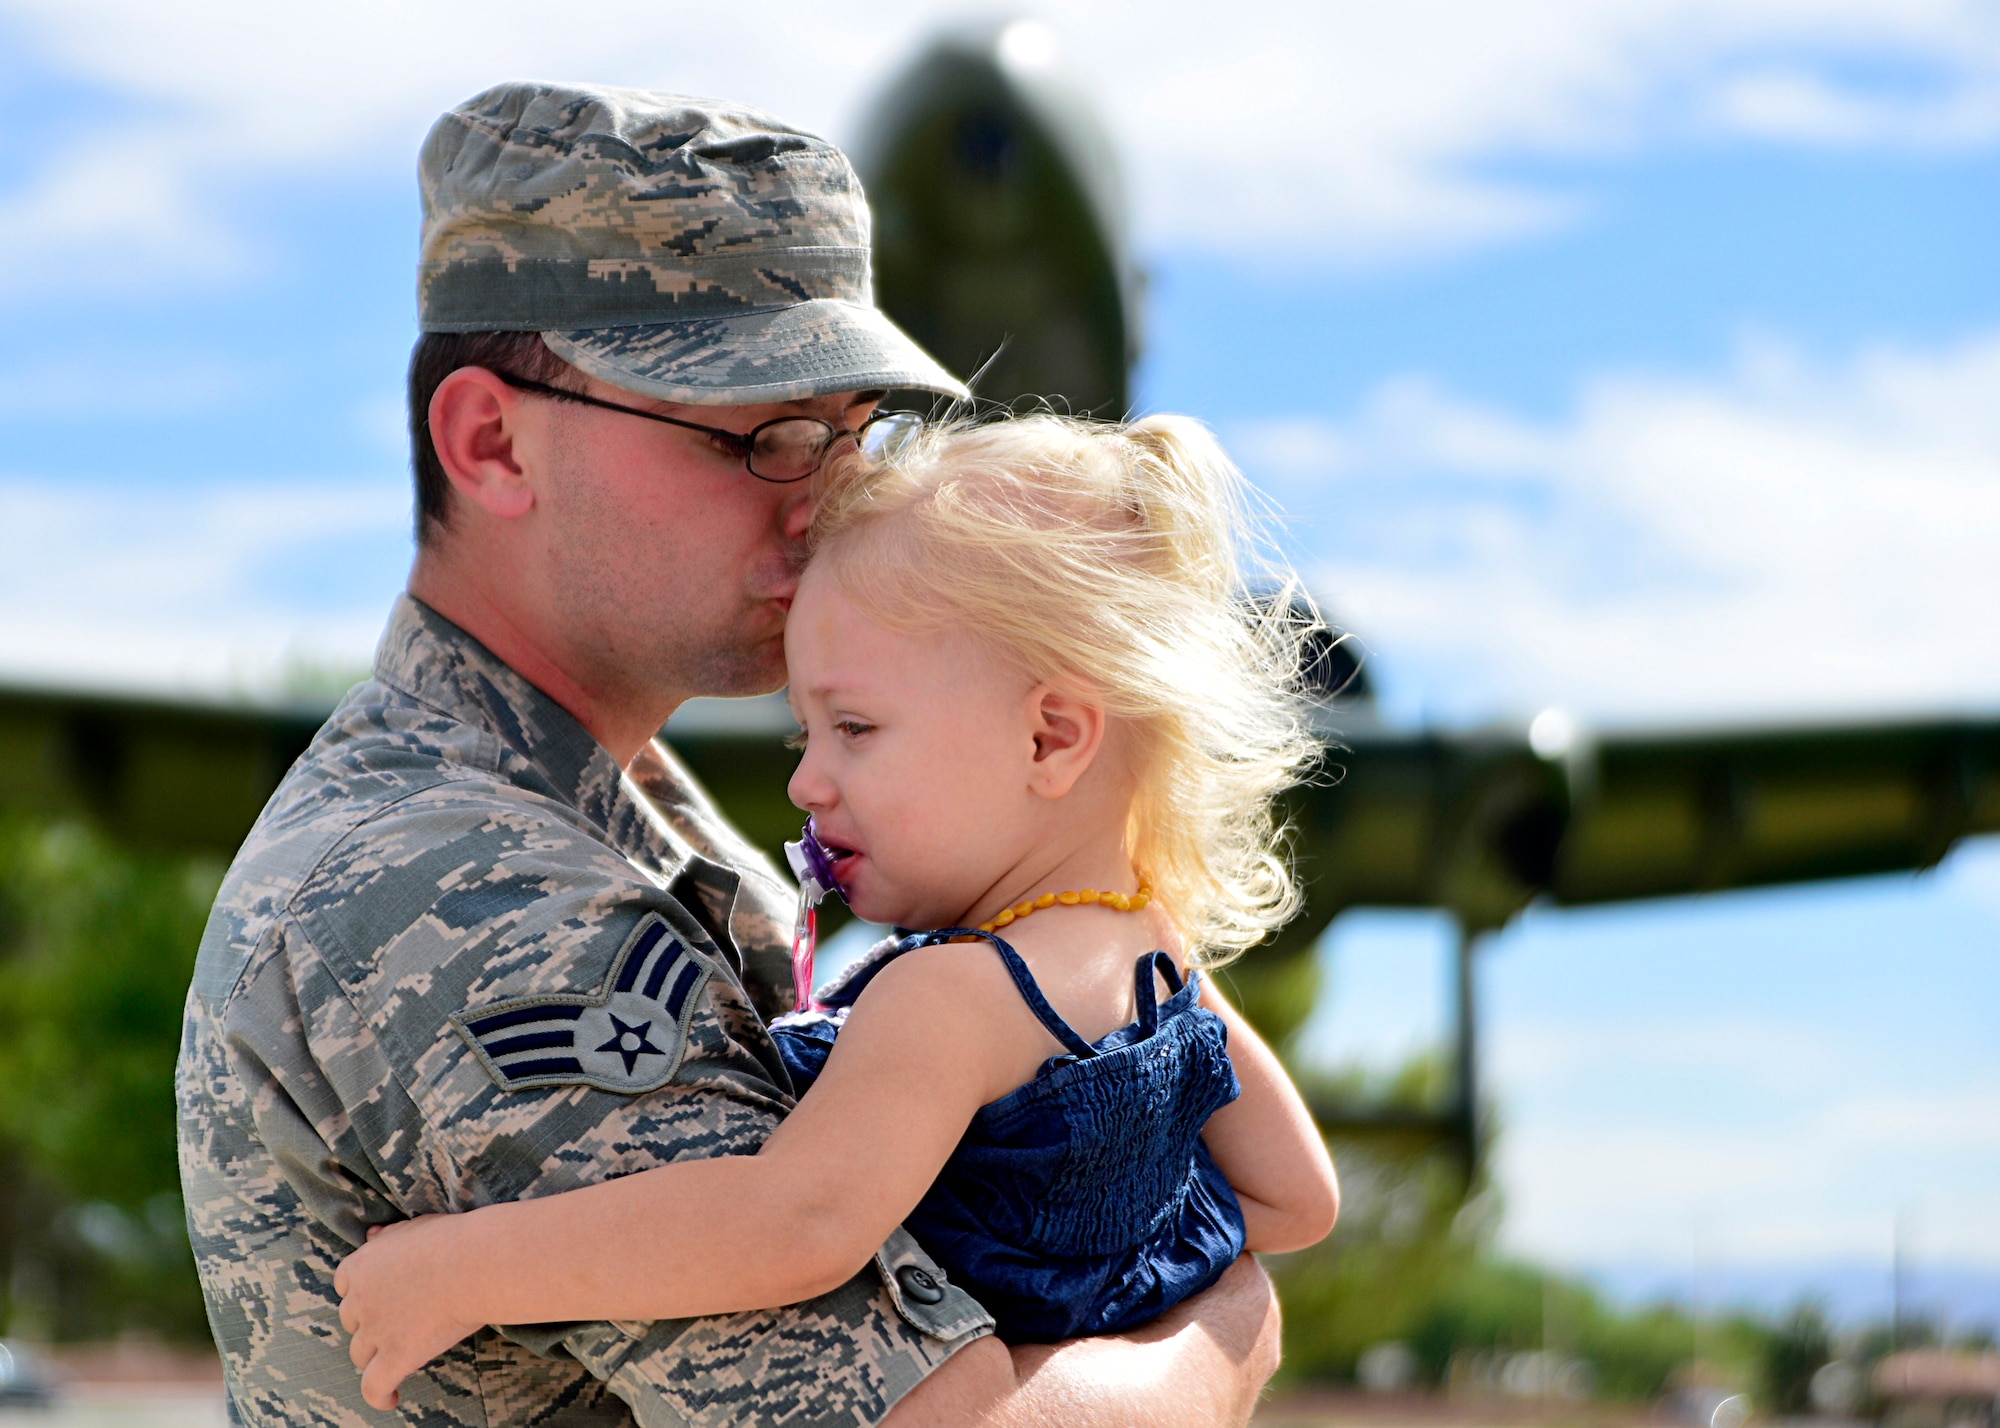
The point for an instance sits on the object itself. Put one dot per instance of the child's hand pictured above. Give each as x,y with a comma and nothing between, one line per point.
390,1302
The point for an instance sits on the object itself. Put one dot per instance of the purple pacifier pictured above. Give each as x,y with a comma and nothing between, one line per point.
812,865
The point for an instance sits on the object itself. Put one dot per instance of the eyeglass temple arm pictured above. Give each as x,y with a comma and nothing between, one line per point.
742,443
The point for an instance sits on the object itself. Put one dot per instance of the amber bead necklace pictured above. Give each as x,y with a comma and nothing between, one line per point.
1117,902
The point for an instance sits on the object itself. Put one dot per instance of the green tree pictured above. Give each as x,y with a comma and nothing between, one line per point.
1410,1226
96,948
1794,1350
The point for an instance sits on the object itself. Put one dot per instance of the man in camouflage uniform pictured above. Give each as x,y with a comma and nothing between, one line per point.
488,941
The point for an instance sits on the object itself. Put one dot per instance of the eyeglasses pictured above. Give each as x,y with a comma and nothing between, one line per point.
781,451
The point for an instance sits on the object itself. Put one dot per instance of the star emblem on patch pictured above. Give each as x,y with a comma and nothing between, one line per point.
631,1042
629,1037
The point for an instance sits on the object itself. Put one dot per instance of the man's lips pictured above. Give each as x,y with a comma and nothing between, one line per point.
779,587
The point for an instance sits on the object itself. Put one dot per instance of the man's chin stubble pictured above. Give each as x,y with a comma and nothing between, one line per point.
737,673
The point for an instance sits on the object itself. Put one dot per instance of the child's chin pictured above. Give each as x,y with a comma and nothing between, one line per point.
890,907
883,911
870,909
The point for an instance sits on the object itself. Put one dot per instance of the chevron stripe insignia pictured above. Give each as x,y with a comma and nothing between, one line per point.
628,1038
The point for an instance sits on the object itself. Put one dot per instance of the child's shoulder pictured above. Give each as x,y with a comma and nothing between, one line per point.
948,1010
902,966
966,973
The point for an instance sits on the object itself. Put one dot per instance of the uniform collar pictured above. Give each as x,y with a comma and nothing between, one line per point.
427,657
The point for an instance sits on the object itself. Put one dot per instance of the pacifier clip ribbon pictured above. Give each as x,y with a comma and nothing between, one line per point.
812,865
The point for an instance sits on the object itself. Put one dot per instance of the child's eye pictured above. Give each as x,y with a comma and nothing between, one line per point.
796,742
854,728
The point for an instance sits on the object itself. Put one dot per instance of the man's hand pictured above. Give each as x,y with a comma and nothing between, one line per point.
1202,1363
392,1302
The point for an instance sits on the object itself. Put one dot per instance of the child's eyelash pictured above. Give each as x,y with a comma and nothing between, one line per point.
850,727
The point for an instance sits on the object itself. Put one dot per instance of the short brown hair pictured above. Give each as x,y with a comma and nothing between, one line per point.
436,356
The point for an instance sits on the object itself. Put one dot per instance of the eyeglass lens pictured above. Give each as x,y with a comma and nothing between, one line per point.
886,438
791,450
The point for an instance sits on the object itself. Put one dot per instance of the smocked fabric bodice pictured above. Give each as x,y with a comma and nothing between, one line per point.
1082,1202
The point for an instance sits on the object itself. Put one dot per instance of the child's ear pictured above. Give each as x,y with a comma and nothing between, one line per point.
1068,732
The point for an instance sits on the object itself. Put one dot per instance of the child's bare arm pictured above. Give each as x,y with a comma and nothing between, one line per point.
1266,1143
711,1236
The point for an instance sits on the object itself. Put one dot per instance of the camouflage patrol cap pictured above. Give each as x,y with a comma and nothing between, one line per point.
684,249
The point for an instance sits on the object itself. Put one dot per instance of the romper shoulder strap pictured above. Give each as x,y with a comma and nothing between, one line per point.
1144,999
1024,982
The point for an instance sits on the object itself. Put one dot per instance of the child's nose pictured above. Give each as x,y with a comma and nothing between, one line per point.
808,788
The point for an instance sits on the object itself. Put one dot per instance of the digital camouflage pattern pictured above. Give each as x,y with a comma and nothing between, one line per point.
455,847
685,249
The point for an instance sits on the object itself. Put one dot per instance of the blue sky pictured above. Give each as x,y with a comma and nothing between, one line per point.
1638,356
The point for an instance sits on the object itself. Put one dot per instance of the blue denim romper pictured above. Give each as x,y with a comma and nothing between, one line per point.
1084,1201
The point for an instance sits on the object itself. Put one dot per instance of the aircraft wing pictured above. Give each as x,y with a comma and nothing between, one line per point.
1480,823
1475,821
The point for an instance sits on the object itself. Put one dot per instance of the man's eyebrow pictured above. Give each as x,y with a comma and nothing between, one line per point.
812,406
864,399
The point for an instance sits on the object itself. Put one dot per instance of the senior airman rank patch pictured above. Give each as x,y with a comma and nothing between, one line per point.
629,1037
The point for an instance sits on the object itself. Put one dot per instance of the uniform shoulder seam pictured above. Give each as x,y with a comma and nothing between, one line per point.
436,1140
427,784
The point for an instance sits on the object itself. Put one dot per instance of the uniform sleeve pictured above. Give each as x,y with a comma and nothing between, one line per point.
503,1007
844,1358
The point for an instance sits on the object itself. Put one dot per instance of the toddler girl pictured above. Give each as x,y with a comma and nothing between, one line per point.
1040,714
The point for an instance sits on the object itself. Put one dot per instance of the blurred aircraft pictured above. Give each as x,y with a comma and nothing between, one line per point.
1001,245
1003,242
1000,239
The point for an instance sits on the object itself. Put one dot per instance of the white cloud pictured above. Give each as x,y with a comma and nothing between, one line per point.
70,387
198,592
1749,1051
383,419
1966,1122
1785,539
1626,1190
1799,105
113,217
1786,1087
1621,1135
1350,131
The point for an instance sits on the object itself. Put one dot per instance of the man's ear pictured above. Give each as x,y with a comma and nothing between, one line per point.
1068,731
475,424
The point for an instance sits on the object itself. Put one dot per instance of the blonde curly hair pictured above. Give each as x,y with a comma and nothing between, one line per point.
1114,561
